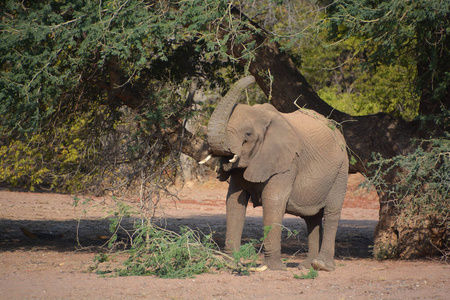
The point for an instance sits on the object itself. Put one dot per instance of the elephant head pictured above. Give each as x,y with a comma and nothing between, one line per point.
257,138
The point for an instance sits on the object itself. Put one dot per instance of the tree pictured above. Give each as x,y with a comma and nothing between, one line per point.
78,62
68,67
414,34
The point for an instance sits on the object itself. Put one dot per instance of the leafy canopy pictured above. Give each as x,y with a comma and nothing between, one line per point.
67,68
336,65
56,52
412,34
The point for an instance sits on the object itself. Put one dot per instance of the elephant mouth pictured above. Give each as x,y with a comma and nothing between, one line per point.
228,162
234,159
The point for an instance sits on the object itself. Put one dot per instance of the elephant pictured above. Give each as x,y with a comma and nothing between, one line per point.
293,163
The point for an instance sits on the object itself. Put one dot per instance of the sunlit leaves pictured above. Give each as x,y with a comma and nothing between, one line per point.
398,31
63,62
51,48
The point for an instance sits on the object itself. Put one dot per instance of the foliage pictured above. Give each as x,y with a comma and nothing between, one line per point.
152,250
396,33
365,57
420,196
246,257
19,161
166,254
156,251
312,274
338,70
53,47
67,67
386,90
65,156
84,155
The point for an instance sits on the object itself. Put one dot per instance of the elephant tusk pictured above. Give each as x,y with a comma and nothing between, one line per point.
258,269
205,160
234,159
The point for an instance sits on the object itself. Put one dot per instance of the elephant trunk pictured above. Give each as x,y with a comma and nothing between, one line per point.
217,127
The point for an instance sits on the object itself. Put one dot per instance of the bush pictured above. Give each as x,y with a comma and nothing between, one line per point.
152,250
166,254
419,201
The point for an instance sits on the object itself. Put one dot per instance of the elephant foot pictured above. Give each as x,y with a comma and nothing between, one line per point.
274,264
320,265
305,265
258,269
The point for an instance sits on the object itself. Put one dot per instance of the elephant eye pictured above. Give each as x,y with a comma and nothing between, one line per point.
248,133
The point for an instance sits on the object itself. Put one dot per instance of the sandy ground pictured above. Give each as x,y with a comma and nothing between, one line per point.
53,263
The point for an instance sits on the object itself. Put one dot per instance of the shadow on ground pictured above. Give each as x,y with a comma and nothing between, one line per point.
354,237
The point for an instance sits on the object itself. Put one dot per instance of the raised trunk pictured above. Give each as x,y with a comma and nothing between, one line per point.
217,127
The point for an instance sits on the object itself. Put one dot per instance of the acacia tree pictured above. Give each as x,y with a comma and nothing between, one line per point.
415,34
69,67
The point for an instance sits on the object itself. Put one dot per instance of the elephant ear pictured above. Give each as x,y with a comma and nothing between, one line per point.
280,146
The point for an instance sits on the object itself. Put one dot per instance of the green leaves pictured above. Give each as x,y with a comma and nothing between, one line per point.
160,252
312,274
400,32
419,200
49,50
65,60
423,185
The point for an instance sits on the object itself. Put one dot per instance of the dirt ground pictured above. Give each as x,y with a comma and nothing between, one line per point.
47,245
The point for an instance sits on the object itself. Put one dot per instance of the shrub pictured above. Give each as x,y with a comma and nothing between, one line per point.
152,250
419,201
312,274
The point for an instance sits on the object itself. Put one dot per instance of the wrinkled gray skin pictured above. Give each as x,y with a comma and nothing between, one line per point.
292,163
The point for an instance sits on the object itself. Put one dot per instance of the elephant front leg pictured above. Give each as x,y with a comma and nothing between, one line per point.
274,199
272,221
237,200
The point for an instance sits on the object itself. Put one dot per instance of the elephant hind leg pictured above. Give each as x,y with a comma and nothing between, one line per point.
325,259
331,216
314,229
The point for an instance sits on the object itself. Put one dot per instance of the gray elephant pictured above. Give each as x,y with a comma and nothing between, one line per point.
293,163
